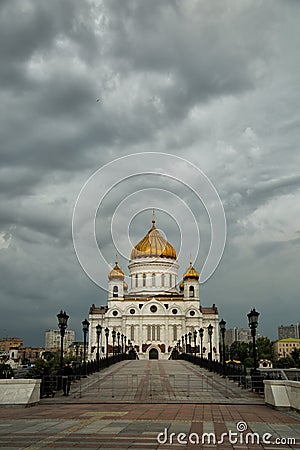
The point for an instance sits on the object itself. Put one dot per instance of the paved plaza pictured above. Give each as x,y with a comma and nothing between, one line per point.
94,419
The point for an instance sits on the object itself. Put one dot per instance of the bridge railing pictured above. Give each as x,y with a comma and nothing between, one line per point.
234,372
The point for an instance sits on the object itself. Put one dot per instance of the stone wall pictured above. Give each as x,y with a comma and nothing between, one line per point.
19,392
282,394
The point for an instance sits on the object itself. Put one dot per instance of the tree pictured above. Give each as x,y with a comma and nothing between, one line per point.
264,348
239,351
295,355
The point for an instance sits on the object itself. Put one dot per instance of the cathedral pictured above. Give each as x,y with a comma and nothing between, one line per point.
156,310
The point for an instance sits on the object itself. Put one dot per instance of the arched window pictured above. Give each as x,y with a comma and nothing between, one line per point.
158,333
170,280
115,291
162,279
153,332
136,280
174,332
191,291
153,279
149,332
132,333
144,279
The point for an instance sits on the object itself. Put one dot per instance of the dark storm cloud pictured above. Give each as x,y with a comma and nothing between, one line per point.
215,82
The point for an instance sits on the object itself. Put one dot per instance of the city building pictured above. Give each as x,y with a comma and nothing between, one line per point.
237,334
52,339
157,310
289,331
8,343
284,347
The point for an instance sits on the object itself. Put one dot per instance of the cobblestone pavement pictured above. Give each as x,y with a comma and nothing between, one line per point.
139,424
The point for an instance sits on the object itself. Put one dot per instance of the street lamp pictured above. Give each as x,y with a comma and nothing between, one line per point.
85,329
190,341
125,341
106,331
222,324
62,324
122,342
118,338
253,323
195,340
113,333
182,340
185,338
210,332
98,331
201,333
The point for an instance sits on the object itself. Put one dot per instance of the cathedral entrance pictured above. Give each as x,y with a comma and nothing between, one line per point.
153,353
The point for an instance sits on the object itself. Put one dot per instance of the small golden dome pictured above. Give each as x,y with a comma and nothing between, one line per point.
125,286
181,286
116,273
191,273
153,245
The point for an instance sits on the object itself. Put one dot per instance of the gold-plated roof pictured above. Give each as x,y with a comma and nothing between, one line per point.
181,286
125,286
153,245
191,273
116,273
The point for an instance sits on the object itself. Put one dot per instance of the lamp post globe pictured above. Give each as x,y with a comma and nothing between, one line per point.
62,317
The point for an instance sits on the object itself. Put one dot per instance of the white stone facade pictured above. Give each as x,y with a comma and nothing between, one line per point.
154,314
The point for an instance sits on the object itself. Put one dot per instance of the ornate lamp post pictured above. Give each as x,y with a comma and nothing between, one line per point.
85,329
99,332
195,340
118,339
182,340
222,324
210,332
201,333
113,333
106,331
122,342
62,324
190,342
253,323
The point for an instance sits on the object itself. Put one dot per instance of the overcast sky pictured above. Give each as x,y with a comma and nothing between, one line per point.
214,82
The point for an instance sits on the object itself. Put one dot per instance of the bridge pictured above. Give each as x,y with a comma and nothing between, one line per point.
156,381
150,405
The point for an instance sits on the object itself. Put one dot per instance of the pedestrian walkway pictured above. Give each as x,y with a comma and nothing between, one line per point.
156,382
157,410
129,426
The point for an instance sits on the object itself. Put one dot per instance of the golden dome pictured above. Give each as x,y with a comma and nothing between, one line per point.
191,273
181,286
116,273
125,286
153,245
